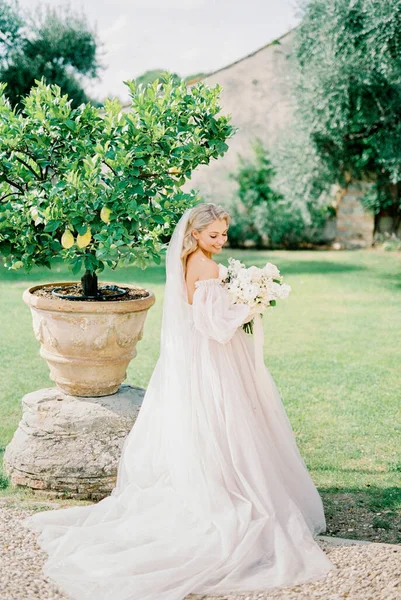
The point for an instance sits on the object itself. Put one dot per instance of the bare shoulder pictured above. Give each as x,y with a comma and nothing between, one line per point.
201,267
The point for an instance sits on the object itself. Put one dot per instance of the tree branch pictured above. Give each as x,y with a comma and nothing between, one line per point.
11,194
37,175
55,147
148,175
110,167
13,184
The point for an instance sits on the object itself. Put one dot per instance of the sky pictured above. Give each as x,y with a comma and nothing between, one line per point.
184,36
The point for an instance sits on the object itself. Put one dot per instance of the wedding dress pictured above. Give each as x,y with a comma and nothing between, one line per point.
212,495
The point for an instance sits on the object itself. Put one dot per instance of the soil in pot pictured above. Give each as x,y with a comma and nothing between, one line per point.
132,293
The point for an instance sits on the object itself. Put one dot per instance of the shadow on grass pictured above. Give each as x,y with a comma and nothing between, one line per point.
370,513
334,469
311,267
302,267
376,497
153,274
391,281
156,273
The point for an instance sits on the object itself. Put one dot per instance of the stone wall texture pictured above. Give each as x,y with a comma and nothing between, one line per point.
256,95
355,226
69,446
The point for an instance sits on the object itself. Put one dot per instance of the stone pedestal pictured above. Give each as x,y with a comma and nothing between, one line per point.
69,446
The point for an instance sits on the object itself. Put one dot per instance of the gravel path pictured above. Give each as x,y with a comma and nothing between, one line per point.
365,572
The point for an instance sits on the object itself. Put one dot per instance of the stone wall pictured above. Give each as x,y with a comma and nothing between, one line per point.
355,225
255,92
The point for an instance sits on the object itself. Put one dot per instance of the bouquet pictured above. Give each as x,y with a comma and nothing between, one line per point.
257,287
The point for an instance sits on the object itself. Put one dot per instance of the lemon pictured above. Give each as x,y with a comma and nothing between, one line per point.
174,171
105,214
67,239
84,240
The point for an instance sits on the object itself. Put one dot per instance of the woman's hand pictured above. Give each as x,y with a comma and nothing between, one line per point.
249,317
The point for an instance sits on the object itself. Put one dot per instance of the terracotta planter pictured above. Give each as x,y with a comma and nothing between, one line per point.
87,345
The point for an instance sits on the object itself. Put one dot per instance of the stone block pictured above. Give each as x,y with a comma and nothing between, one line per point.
70,446
355,226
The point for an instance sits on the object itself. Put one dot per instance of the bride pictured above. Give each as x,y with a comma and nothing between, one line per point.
212,495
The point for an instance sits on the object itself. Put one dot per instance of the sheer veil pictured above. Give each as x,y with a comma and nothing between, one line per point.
164,423
175,305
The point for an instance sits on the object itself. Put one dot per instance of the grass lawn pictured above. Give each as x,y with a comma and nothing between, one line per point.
333,348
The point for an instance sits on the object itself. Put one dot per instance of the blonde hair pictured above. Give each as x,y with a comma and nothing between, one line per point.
200,217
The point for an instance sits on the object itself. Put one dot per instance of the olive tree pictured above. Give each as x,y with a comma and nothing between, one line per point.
346,70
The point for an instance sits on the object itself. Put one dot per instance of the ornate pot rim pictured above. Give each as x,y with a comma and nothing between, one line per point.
77,306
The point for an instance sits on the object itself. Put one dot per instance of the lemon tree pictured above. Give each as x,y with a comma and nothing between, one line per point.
100,186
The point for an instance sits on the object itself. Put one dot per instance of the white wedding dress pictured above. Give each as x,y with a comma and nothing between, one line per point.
212,495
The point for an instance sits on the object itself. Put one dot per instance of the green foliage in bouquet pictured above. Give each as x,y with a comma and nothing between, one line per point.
99,187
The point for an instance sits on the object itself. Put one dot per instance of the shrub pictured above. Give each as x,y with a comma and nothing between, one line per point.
262,216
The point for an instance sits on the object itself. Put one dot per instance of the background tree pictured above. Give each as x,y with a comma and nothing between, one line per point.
151,76
264,215
56,45
347,86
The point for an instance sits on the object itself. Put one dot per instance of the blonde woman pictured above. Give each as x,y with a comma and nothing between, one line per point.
212,495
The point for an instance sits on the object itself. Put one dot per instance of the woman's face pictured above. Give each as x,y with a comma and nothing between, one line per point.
213,237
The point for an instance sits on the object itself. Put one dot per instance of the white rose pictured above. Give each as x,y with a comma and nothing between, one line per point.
275,290
243,276
271,271
256,274
235,266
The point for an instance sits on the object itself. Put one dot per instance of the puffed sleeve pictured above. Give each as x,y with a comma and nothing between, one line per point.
213,313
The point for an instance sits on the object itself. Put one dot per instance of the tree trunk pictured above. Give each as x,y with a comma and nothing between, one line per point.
89,284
